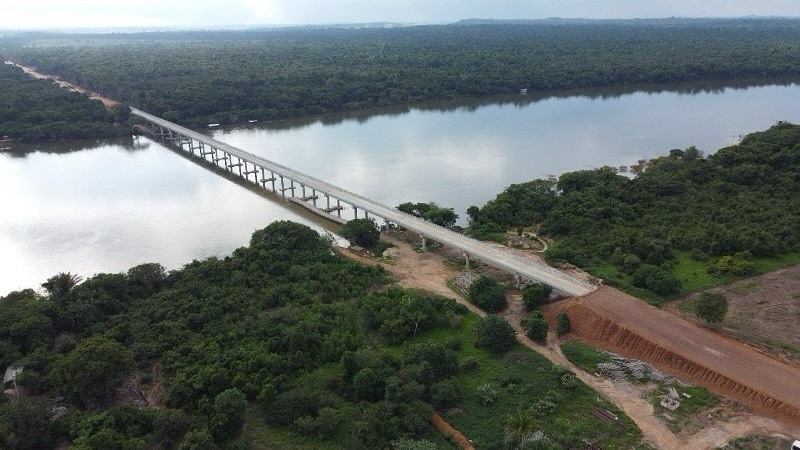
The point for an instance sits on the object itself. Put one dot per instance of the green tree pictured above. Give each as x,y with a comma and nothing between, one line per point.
536,327
494,334
228,417
519,426
94,367
536,295
60,285
562,324
413,444
486,293
197,440
24,423
362,232
711,307
440,215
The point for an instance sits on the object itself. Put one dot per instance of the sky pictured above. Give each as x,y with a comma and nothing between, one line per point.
35,14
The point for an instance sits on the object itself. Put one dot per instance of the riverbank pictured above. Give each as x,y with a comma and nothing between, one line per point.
431,271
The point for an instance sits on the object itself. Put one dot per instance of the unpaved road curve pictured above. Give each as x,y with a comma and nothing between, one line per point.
427,271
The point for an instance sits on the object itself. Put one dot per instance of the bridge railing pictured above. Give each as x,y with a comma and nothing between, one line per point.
298,176
476,242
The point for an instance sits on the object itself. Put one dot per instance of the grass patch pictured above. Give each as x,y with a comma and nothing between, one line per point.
584,356
694,275
622,281
747,287
789,348
521,379
701,399
259,434
752,442
686,306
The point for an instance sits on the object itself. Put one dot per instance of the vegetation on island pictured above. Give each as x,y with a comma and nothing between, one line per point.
282,344
200,77
674,224
37,109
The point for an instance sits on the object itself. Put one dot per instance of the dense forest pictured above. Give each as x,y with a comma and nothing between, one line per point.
282,344
32,110
196,78
675,223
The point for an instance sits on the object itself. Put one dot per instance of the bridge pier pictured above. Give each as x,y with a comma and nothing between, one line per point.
213,151
264,179
247,171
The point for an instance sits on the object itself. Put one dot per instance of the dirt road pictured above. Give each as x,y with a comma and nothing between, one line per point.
613,320
428,271
107,102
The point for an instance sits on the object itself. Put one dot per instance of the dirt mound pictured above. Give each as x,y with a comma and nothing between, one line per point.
615,321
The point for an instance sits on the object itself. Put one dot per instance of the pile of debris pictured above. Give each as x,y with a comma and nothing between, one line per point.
619,368
463,281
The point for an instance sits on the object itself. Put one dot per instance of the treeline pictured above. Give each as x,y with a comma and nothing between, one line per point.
679,213
226,77
283,336
33,110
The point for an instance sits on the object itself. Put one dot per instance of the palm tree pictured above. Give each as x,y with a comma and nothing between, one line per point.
519,426
58,286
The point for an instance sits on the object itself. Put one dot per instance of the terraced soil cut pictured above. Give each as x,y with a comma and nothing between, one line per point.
613,320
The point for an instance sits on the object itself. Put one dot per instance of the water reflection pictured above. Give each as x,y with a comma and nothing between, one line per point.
88,207
21,150
521,101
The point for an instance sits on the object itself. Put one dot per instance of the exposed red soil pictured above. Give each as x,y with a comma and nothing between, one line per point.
445,427
615,321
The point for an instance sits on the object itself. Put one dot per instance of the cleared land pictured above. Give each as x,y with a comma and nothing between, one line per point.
613,320
763,311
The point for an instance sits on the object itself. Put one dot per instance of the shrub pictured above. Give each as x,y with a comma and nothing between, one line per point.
536,328
445,394
494,334
563,326
469,364
362,232
487,294
487,393
536,295
711,307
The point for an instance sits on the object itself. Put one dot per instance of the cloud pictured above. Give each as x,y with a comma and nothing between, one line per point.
210,13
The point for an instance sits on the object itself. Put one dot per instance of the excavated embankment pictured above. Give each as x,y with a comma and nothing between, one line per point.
612,320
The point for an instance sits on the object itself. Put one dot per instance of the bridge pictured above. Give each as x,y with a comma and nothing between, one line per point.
307,191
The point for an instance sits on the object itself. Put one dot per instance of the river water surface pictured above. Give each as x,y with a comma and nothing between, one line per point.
97,207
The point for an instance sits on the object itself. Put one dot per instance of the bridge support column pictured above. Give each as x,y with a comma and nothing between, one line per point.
314,196
466,260
283,188
338,208
355,212
423,242
517,280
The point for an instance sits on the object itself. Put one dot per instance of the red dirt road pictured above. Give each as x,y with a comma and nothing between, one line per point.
613,320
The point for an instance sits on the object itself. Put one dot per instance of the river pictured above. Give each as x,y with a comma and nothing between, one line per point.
90,207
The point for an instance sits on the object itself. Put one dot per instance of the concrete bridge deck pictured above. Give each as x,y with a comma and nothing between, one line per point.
492,256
